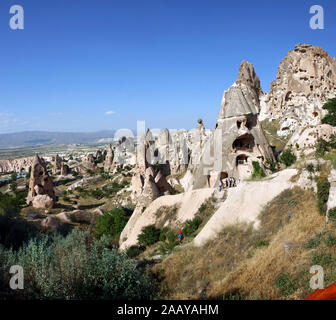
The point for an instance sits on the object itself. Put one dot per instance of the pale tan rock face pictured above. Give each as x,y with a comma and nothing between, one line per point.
65,170
238,139
16,165
108,165
57,164
41,185
306,79
42,201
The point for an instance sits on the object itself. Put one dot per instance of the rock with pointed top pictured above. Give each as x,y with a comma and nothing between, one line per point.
108,165
40,185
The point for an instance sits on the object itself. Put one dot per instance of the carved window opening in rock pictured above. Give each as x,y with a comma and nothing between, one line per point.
288,96
329,74
208,180
311,88
244,143
315,114
223,175
156,153
241,159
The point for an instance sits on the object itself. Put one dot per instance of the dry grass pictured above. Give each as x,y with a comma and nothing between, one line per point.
245,262
255,277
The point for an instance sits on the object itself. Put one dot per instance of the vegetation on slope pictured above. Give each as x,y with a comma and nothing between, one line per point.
246,263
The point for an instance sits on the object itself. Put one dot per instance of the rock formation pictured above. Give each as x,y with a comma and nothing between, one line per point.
306,79
65,170
238,139
57,164
88,163
41,188
108,165
16,165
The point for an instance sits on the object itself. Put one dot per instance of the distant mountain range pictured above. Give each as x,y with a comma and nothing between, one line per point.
41,138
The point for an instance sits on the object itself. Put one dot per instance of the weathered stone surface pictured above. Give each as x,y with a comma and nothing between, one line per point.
50,222
306,79
108,165
304,140
42,201
88,163
16,165
163,186
40,184
238,139
57,164
65,170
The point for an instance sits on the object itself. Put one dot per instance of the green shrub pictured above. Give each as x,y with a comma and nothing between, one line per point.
68,268
272,165
149,235
322,147
112,223
332,214
323,259
310,168
323,187
330,118
191,226
258,172
285,284
134,251
10,204
261,243
287,157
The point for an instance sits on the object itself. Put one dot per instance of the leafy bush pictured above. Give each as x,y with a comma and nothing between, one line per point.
285,284
272,165
261,243
112,222
9,204
330,118
258,172
332,214
310,168
71,268
287,157
149,235
322,147
134,251
323,187
191,226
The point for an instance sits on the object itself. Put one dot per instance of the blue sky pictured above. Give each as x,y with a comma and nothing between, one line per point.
163,61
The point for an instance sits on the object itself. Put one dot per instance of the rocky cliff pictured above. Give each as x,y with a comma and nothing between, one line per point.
306,79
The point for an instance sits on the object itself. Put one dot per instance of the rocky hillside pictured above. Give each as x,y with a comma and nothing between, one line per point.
306,79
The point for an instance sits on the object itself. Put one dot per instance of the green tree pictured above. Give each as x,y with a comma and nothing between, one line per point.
112,222
323,187
287,157
322,147
258,171
149,235
330,118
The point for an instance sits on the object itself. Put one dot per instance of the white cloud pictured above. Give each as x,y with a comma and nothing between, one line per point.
109,112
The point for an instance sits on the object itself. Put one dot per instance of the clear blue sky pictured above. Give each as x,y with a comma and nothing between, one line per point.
163,61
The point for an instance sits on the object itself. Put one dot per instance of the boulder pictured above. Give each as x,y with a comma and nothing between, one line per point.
42,201
50,222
